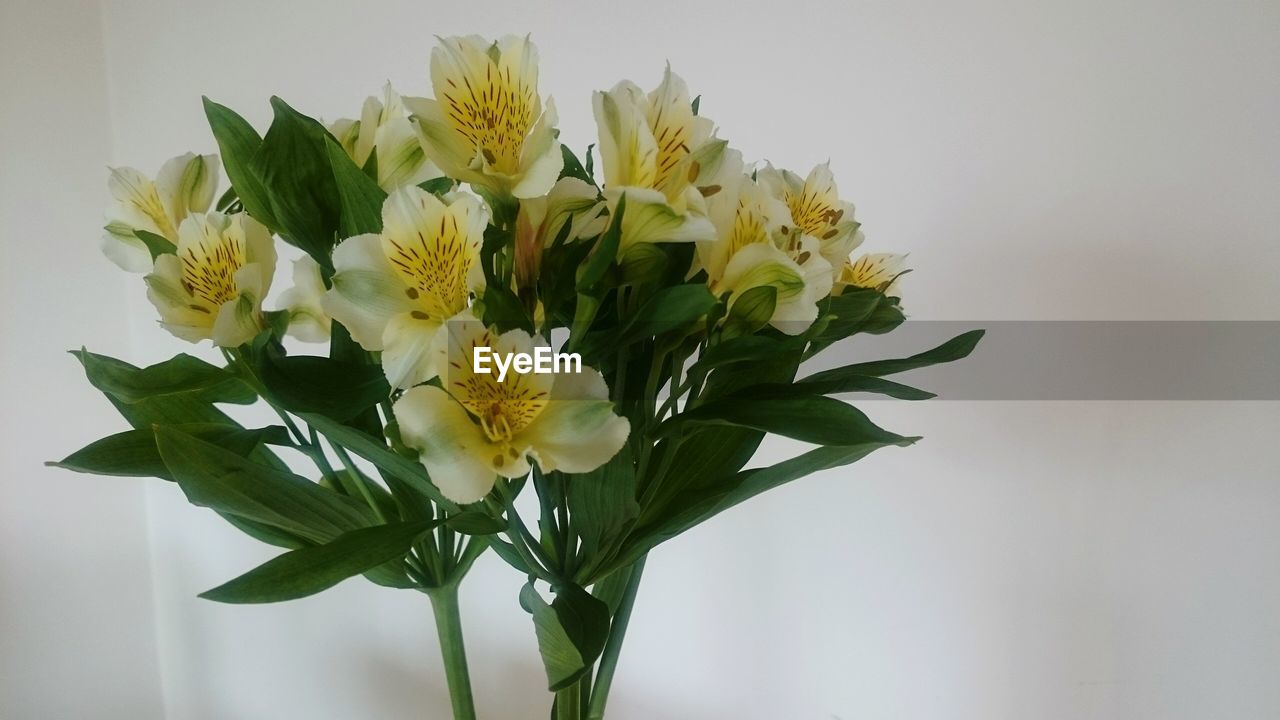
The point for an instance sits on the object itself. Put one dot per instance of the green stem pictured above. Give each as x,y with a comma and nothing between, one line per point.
444,603
613,646
569,702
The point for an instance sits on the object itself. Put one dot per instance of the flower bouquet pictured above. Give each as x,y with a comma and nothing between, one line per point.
497,321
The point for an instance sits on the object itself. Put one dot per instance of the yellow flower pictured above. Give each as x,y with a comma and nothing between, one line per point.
184,185
213,286
486,125
816,209
878,271
394,291
385,132
663,158
751,250
478,427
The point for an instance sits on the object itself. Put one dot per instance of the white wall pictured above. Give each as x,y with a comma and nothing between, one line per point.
77,637
1069,160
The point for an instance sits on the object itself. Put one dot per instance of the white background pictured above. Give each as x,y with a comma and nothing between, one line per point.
1068,160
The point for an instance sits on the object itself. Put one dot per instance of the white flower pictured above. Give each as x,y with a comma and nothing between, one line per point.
213,286
385,132
395,290
752,250
184,185
477,428
816,209
486,125
663,158
878,271
304,302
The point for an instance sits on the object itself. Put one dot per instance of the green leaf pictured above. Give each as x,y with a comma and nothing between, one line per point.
699,507
179,375
954,349
315,384
510,555
309,570
219,479
573,168
846,384
474,522
814,419
437,186
157,245
413,474
571,632
360,197
668,309
503,309
133,453
238,142
603,505
295,170
606,251
183,409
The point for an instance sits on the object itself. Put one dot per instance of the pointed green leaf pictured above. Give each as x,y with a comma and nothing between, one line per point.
219,479
238,142
309,570
954,349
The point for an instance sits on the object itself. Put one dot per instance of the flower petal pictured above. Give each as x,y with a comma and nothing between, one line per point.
367,291
450,445
409,353
576,436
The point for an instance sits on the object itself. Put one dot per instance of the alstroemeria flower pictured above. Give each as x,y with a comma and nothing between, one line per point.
751,250
662,157
486,125
395,290
184,185
213,286
477,428
385,132
540,221
308,320
816,209
878,271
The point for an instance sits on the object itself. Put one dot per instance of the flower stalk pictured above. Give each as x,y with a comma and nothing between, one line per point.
444,605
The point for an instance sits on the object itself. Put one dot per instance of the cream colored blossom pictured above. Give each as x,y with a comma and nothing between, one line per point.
663,158
877,271
486,124
751,249
394,291
213,285
304,302
184,185
816,209
477,428
385,132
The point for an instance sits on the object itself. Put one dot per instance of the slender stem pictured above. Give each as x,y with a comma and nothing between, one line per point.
569,702
444,603
613,646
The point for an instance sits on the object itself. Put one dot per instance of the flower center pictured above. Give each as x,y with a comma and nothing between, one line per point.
209,267
814,211
435,268
505,408
493,111
147,201
672,138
